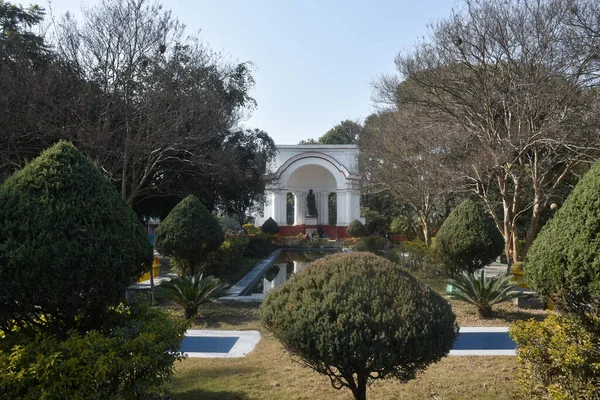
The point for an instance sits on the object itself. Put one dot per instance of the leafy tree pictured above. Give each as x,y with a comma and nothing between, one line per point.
563,264
188,234
242,181
468,239
346,132
63,230
356,318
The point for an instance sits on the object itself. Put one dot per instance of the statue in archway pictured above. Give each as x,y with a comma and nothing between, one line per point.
311,205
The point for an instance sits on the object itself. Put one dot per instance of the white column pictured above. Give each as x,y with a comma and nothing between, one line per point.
325,208
349,218
354,212
279,207
298,208
341,209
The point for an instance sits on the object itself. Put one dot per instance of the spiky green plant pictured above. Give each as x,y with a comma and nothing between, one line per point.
483,292
191,291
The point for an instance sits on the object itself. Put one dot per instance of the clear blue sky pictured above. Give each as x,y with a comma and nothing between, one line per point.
314,60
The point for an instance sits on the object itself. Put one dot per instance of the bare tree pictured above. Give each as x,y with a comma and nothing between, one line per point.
511,89
402,154
166,101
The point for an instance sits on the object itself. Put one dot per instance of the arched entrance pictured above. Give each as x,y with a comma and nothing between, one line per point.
324,169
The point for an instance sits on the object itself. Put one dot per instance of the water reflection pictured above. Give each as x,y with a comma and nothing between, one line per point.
288,263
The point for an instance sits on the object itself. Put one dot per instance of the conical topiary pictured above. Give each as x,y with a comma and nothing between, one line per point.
468,239
69,244
356,229
188,234
563,264
270,226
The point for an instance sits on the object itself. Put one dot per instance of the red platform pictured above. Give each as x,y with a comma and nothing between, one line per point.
334,232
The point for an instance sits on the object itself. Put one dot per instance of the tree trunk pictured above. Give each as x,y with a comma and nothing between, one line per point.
360,390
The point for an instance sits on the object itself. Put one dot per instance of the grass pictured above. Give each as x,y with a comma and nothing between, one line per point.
269,372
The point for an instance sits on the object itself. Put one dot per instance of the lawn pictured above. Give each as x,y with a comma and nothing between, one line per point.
269,373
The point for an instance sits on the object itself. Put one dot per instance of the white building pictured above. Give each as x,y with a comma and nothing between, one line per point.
326,169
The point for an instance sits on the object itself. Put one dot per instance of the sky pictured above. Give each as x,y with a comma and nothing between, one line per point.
314,61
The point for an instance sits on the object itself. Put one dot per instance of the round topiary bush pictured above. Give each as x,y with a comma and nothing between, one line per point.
468,239
69,244
356,317
188,235
356,229
563,264
270,226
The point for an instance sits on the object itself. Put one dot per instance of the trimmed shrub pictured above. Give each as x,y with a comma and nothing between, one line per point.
356,229
373,244
132,359
188,235
563,264
228,256
69,244
374,221
270,226
468,239
356,317
260,245
558,358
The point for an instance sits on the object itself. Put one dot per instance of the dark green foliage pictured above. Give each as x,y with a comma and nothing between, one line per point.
356,229
468,239
375,221
356,317
483,292
559,358
270,226
191,292
188,234
373,244
69,244
260,245
229,255
563,264
130,359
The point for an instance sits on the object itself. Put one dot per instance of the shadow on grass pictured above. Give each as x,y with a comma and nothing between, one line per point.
196,394
219,315
519,315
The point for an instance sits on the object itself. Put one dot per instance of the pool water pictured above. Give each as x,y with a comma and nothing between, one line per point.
208,344
484,341
288,263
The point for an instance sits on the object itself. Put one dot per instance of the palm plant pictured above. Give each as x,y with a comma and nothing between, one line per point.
483,292
191,291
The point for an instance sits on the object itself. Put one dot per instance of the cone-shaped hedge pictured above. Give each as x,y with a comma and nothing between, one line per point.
361,316
270,226
468,239
188,234
563,264
69,244
356,229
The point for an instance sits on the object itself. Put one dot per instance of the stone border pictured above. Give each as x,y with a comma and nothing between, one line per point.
484,329
247,341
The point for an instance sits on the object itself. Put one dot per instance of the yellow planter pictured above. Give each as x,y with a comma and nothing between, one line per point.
517,272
